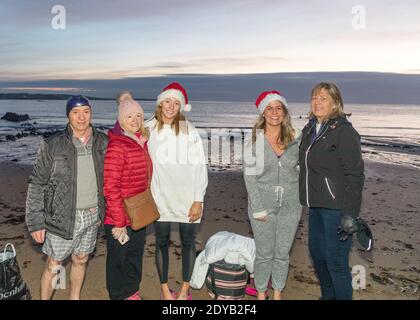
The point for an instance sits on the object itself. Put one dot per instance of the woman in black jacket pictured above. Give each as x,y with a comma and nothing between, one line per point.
331,183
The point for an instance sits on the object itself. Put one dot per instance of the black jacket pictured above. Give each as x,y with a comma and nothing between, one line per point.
331,167
51,198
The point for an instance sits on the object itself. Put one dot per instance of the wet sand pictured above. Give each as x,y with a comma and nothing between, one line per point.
390,205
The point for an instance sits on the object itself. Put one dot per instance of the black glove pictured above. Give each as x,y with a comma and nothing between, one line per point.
347,227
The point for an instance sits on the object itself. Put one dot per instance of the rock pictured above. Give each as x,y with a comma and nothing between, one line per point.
30,131
14,117
10,137
49,133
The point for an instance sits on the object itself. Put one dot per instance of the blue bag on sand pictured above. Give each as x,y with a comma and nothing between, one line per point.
12,286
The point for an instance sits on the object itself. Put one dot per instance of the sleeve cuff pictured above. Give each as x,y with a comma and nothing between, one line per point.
260,214
119,224
199,197
35,228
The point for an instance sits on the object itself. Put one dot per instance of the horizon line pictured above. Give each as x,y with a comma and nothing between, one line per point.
212,74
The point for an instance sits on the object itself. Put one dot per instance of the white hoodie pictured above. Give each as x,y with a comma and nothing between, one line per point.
179,171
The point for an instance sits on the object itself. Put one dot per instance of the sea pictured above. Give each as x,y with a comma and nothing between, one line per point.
390,133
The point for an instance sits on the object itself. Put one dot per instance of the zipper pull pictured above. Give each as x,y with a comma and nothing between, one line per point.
276,190
279,193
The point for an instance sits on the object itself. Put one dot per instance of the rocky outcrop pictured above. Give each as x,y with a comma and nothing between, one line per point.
14,117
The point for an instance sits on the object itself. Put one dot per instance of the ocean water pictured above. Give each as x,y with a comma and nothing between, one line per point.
390,133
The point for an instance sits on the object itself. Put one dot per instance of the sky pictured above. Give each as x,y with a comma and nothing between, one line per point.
109,39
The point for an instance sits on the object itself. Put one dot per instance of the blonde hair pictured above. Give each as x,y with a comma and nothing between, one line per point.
143,129
179,118
335,94
286,129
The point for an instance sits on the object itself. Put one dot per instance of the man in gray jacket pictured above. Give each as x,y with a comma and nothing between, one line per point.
65,202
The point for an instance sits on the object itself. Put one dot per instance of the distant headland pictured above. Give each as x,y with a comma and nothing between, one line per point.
41,96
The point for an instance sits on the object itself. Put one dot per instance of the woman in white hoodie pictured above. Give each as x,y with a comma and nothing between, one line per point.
179,183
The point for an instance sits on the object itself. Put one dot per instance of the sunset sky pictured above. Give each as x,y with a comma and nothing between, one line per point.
126,38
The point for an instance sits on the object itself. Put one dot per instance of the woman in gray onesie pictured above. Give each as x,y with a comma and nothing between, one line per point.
271,174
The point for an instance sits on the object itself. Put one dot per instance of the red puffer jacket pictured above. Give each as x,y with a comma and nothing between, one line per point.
125,174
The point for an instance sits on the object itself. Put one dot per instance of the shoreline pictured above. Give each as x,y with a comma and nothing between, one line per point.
22,148
390,206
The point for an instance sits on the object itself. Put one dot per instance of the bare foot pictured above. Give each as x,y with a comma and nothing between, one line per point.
277,295
184,295
261,295
166,294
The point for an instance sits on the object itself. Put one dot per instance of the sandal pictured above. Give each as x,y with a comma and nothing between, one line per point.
189,296
173,294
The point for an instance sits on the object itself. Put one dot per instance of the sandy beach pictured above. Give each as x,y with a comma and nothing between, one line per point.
390,205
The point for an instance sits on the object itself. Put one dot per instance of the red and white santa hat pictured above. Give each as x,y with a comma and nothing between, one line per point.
175,90
266,97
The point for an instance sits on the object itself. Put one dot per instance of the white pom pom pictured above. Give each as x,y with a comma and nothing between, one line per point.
187,107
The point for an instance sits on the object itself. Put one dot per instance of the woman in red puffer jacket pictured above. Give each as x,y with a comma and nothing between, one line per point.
127,170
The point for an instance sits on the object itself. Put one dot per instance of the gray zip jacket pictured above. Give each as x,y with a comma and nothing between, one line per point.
272,183
52,194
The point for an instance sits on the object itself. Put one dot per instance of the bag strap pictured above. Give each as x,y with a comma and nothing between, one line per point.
11,245
146,153
213,281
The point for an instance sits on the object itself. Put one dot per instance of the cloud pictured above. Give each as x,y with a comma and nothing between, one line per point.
208,65
133,38
94,11
46,89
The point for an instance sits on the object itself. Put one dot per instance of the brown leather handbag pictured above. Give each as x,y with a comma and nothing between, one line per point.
141,208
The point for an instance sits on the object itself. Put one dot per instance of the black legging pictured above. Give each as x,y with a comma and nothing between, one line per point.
187,232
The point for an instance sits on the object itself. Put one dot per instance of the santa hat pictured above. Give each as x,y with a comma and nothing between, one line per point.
128,106
175,90
266,97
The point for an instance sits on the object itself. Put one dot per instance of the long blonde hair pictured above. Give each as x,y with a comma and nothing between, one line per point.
179,118
286,129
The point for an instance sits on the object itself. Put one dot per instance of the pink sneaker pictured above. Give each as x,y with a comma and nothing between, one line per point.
135,296
250,288
251,291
